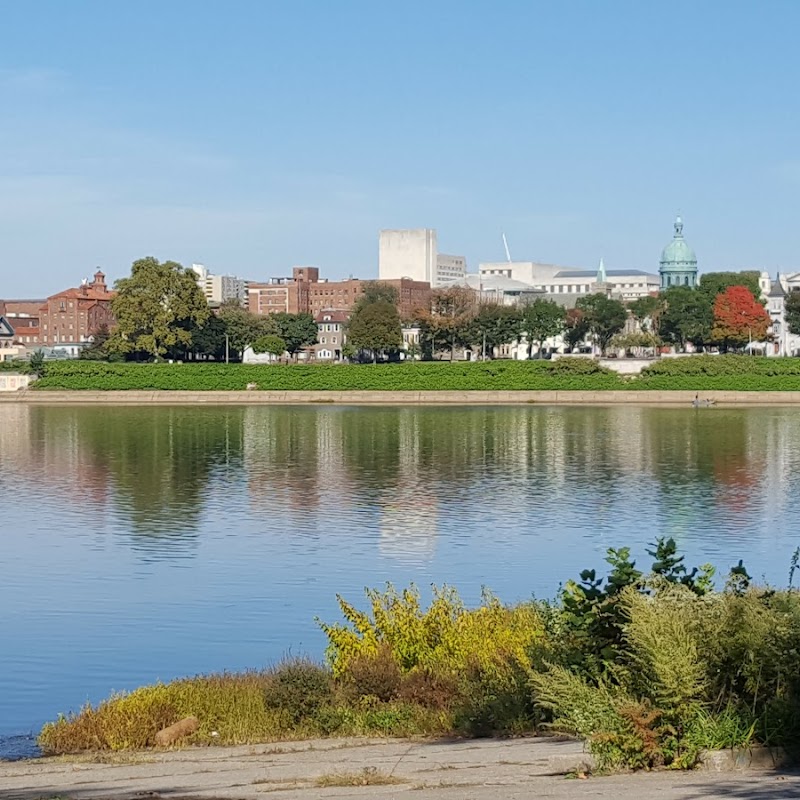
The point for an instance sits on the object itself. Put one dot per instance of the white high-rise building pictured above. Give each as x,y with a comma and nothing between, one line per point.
220,289
413,253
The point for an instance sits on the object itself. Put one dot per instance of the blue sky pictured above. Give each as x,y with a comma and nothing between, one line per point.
252,135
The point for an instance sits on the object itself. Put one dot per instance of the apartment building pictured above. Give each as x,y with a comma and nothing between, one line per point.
220,289
304,292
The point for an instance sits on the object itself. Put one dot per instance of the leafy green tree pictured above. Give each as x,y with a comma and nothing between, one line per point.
208,340
297,330
156,308
243,327
271,344
36,363
493,326
792,312
605,316
540,320
715,283
687,317
376,327
647,311
98,349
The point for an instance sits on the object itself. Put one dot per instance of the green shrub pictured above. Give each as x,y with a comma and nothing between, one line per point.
460,376
298,689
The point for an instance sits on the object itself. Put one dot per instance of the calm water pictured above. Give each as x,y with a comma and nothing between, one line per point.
145,544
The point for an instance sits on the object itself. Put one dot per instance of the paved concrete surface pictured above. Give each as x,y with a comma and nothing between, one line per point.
463,770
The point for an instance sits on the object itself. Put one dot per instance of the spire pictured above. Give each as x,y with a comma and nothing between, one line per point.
678,227
776,287
601,272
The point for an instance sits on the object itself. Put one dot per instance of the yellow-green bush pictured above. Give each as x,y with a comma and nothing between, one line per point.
447,636
231,706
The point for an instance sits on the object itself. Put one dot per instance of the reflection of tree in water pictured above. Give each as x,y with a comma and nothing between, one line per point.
158,461
706,447
706,459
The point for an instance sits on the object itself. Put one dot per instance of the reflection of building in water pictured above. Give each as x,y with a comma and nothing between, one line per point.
409,512
49,442
15,434
408,525
294,458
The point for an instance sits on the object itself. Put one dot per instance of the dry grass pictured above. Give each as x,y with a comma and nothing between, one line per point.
369,776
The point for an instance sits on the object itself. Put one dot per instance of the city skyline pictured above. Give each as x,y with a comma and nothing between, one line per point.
273,136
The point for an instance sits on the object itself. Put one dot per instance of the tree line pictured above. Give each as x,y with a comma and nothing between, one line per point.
161,313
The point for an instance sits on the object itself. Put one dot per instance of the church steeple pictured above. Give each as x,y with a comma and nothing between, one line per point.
601,272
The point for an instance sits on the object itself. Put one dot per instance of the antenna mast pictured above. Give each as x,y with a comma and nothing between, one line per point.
508,252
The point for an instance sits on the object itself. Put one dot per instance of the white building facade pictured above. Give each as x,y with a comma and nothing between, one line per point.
413,253
774,294
565,285
220,289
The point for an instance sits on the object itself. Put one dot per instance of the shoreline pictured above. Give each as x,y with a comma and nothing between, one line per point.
641,397
437,769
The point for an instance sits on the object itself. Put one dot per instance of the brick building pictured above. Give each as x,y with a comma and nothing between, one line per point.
23,316
304,292
68,319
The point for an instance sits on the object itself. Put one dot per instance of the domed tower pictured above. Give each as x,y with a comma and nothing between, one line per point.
678,265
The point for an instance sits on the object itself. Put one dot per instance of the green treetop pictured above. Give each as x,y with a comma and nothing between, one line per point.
375,326
604,316
540,320
157,308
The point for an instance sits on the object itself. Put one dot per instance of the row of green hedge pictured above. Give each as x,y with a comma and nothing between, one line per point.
495,375
698,373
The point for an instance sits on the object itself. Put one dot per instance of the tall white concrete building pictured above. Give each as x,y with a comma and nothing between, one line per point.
220,288
413,253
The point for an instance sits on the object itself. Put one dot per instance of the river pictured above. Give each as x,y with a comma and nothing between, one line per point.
141,544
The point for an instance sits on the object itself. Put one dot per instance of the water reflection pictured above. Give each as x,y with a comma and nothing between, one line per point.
145,543
402,469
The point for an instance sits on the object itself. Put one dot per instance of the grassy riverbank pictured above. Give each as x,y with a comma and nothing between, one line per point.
649,669
702,373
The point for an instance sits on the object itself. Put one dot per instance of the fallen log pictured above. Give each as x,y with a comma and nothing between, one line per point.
172,733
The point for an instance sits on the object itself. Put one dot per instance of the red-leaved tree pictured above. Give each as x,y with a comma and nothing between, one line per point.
738,318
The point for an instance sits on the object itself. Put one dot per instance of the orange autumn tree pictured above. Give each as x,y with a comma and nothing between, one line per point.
738,318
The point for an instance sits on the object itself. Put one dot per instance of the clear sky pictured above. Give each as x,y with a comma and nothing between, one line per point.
252,135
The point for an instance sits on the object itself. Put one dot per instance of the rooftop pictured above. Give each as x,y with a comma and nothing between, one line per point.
611,273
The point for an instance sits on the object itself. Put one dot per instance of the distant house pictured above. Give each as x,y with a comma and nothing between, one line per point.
8,347
331,335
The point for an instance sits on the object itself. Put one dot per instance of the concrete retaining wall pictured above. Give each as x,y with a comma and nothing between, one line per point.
462,398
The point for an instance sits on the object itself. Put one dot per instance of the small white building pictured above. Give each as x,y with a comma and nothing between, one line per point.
9,348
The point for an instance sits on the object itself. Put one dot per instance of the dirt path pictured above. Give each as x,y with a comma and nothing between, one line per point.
471,770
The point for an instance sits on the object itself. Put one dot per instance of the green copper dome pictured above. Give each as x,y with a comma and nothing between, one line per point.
678,266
